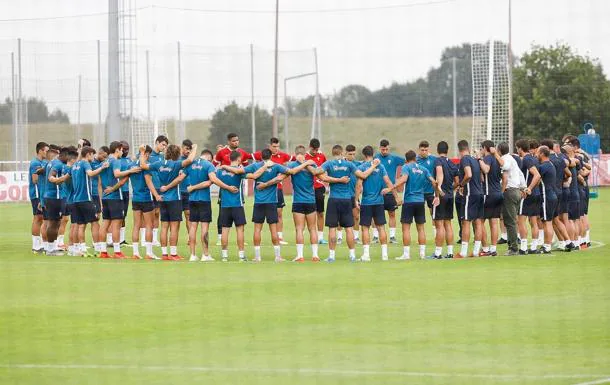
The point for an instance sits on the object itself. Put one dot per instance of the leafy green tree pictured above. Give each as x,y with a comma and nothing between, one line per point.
233,118
38,112
353,101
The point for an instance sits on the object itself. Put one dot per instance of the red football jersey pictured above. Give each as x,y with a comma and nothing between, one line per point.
223,156
319,158
279,158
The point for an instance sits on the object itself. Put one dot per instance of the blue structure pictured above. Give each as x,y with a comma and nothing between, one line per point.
590,142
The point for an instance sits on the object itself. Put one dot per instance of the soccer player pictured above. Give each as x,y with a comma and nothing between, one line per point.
427,161
53,201
161,143
96,192
37,165
414,178
583,184
530,205
201,174
43,181
231,204
111,180
169,170
574,196
187,146
446,173
492,197
350,156
143,208
374,187
320,189
339,211
282,158
470,189
392,164
549,202
125,165
83,208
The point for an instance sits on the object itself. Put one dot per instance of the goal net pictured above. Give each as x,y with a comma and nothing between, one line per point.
490,93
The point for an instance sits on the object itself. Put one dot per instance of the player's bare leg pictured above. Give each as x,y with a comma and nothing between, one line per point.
332,243
439,238
240,243
224,242
147,221
258,228
406,242
311,220
275,240
36,236
205,242
135,233
535,233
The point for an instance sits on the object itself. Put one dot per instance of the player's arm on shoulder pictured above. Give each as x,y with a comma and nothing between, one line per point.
300,167
96,172
177,180
151,186
484,166
272,182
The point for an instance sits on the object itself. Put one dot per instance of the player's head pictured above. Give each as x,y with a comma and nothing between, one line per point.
314,146
384,147
547,142
534,144
274,145
368,152
523,146
463,147
219,147
86,153
266,154
424,148
187,146
567,138
410,156
148,150
53,151
83,143
235,157
442,148
300,150
233,140
161,143
350,152
337,150
41,149
102,153
125,148
71,156
207,155
503,148
172,152
575,142
116,149
543,153
486,145
568,150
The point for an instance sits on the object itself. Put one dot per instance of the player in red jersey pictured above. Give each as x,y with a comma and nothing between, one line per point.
282,158
317,156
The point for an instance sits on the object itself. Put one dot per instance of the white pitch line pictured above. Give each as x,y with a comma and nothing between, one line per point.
596,382
305,371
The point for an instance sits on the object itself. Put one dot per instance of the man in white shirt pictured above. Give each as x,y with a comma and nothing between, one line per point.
513,187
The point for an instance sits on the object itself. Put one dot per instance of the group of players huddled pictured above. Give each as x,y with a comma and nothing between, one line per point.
495,194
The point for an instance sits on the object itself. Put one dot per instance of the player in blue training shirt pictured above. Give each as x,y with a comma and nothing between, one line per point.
170,176
392,164
350,156
493,198
446,174
414,179
126,164
96,192
471,191
37,165
426,160
185,150
339,210
549,202
530,205
161,143
53,200
200,175
373,188
231,204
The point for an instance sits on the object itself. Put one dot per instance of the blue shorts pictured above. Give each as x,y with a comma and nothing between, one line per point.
54,208
186,204
125,203
389,202
200,211
584,202
83,213
320,196
564,200
98,203
144,207
530,206
280,199
573,210
444,210
368,213
265,212
339,213
459,209
429,198
112,209
35,209
413,210
171,211
303,208
473,207
548,208
492,208
66,209
230,216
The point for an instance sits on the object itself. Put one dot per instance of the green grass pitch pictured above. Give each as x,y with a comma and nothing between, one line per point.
504,320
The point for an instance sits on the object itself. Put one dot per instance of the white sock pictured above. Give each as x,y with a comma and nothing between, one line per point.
219,237
450,249
56,245
136,251
122,234
504,236
561,244
155,235
422,251
376,233
83,247
534,244
320,235
173,250
523,246
392,232
464,249
225,254
485,249
164,250
143,236
242,254
587,236
331,254
149,248
493,248
60,239
365,250
102,247
477,248
314,250
384,251
116,247
280,235
352,253
438,251
300,250
34,242
356,234
546,247
257,252
96,246
406,251
340,235
45,245
540,237
276,251
108,239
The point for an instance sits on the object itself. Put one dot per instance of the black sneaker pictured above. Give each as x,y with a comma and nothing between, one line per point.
545,251
502,241
537,251
523,252
511,253
569,247
449,256
493,254
124,243
459,242
588,244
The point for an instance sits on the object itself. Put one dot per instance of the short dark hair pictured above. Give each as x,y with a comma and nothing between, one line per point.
54,148
314,143
575,142
104,149
368,151
384,143
234,155
547,142
463,145
534,144
410,156
232,135
442,147
274,140
187,143
266,154
206,151
86,142
544,150
172,152
424,144
148,149
487,144
337,149
523,144
116,145
161,139
72,154
503,148
125,148
86,151
350,148
40,146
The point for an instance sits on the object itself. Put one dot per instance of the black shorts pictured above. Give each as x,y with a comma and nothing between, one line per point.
320,196
281,203
125,203
368,213
265,212
583,206
66,208
586,200
304,208
98,203
354,203
54,208
171,211
459,206
493,206
472,209
573,210
230,216
413,210
429,198
45,213
112,209
144,207
35,209
200,211
444,210
156,203
548,209
389,202
186,204
83,213
530,206
339,213
563,201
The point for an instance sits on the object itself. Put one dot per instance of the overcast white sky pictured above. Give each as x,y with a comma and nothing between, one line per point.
372,48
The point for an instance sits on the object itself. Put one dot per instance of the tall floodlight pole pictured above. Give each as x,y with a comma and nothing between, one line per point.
274,130
252,111
455,126
510,75
114,119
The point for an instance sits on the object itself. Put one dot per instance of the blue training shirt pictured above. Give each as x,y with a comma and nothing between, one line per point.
269,194
416,182
547,181
95,164
338,168
139,189
428,163
81,182
392,163
197,172
302,185
493,179
68,190
108,179
33,190
473,187
450,171
373,185
168,170
52,190
353,179
185,182
155,157
227,198
528,162
126,164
